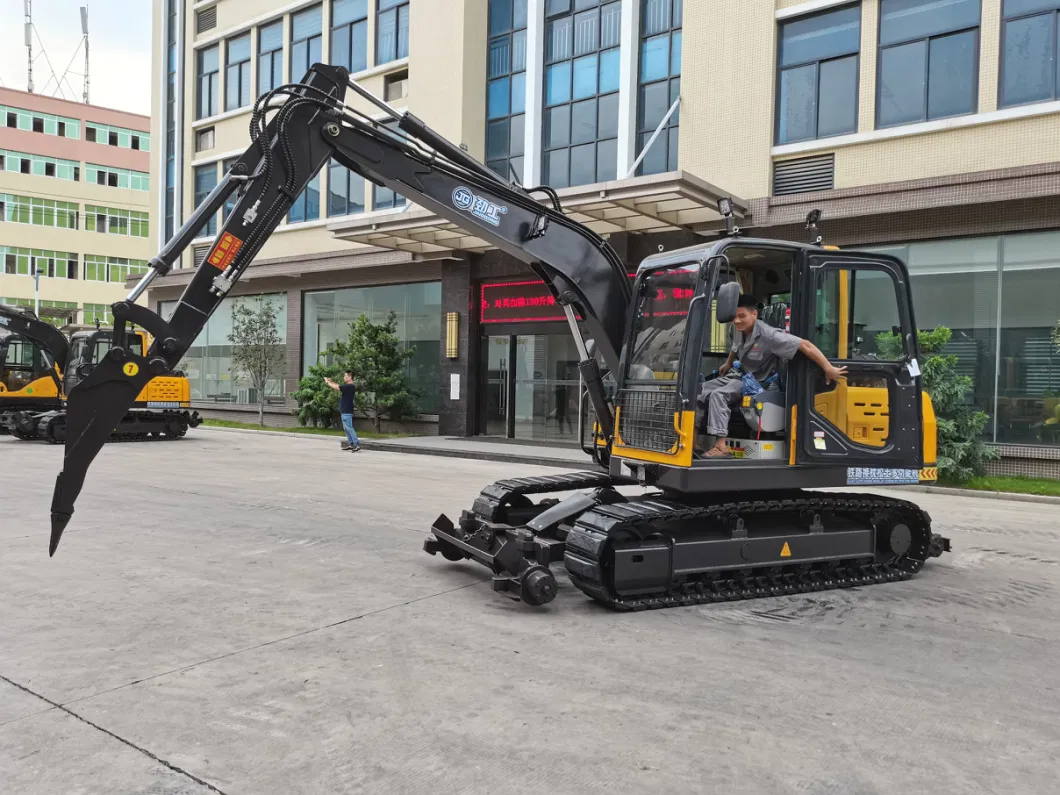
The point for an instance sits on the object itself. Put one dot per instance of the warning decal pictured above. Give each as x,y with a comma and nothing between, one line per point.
227,248
929,473
786,551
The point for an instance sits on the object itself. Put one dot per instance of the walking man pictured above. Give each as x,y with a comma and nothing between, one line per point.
346,392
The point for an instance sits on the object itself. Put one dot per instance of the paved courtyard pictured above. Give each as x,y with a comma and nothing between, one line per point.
242,613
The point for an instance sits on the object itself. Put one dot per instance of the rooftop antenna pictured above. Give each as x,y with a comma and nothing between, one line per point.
84,30
29,43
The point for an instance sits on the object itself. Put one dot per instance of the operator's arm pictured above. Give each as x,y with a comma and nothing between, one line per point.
728,363
811,351
331,383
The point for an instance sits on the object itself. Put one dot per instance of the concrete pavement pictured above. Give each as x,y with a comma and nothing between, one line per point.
241,613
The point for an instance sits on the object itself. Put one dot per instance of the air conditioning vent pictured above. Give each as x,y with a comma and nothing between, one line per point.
206,19
804,175
200,253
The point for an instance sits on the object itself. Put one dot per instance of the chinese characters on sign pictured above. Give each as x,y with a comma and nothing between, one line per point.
862,476
530,301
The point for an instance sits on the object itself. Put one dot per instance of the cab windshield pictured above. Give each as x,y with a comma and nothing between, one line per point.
659,326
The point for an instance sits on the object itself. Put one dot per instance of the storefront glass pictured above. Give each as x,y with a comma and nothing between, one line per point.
208,363
1006,350
327,315
530,387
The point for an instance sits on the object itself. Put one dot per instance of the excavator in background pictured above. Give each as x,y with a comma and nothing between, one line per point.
30,375
59,359
650,524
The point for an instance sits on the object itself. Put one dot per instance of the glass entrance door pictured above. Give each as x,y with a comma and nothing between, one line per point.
530,388
496,386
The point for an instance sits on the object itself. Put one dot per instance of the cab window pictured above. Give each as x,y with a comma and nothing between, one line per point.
856,314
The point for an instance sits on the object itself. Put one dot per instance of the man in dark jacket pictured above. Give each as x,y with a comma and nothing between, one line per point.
346,392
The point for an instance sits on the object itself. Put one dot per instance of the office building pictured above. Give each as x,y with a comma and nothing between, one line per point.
74,205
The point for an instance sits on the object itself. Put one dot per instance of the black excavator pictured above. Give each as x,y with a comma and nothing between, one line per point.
37,411
694,529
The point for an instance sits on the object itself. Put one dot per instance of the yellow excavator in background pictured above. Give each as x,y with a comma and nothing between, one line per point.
46,363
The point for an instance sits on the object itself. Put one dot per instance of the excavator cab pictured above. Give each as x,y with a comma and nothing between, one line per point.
29,377
89,347
795,430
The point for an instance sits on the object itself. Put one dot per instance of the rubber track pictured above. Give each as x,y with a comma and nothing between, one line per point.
589,542
490,503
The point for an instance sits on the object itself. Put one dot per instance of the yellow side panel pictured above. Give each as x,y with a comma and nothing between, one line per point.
166,389
930,431
39,388
861,413
794,438
680,455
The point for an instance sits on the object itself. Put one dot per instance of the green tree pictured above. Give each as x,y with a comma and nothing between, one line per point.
1056,336
962,453
378,360
257,350
318,404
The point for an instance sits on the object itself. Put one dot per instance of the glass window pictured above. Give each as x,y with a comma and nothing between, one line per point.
208,75
230,202
928,62
392,31
955,284
206,181
386,199
660,84
345,191
237,73
327,317
349,34
659,324
208,362
582,47
306,206
1029,64
306,37
270,56
1028,408
506,92
817,80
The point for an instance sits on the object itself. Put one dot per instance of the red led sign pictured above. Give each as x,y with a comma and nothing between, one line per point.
529,301
518,302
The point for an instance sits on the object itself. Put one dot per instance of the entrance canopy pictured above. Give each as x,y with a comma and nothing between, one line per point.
653,203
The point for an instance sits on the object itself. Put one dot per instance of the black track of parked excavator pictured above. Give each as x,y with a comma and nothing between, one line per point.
118,436
591,535
490,503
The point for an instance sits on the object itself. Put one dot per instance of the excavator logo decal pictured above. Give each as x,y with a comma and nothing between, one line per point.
464,199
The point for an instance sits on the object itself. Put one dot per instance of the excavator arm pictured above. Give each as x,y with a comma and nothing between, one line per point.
309,125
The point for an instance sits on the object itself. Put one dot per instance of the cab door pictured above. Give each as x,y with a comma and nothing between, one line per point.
856,308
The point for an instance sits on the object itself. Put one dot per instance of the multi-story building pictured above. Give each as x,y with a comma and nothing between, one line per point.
923,128
74,205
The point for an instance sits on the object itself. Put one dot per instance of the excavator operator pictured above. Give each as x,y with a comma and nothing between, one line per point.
758,347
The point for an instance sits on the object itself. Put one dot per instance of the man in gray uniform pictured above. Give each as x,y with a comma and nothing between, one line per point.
759,348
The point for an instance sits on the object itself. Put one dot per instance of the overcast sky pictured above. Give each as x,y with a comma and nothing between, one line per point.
119,50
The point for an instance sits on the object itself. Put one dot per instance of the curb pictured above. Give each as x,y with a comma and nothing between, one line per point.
986,495
390,447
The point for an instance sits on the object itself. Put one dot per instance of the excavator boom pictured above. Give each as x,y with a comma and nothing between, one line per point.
310,125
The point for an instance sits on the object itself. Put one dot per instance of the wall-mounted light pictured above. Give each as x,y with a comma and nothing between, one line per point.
452,335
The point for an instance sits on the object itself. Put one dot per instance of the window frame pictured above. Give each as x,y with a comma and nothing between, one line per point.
1055,29
394,8
241,67
925,117
571,58
210,77
319,8
349,27
669,80
779,70
272,55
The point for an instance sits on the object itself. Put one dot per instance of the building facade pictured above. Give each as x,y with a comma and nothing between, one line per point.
74,205
926,129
